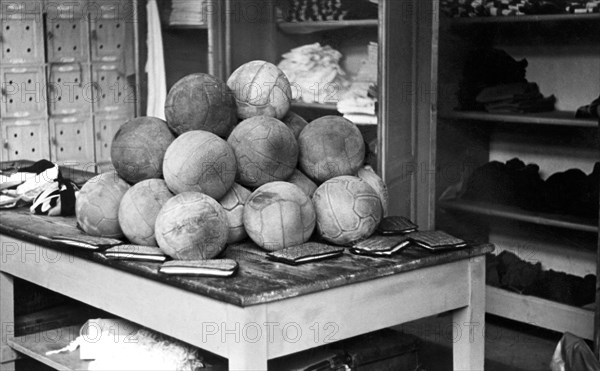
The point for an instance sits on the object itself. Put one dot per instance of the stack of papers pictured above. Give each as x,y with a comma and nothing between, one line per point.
357,104
315,74
187,13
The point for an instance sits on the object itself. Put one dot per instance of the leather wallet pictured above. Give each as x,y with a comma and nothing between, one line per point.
437,240
393,225
87,242
306,252
135,252
208,268
380,245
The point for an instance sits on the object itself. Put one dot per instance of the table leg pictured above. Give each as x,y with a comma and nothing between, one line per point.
7,321
247,338
469,345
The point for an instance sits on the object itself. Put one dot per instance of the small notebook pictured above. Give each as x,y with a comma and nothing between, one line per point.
87,242
207,268
437,240
393,225
135,252
380,245
306,252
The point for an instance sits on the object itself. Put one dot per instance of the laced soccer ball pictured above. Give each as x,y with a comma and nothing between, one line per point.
330,146
97,205
233,203
260,88
200,161
265,150
348,209
138,148
201,102
367,174
191,226
138,210
279,215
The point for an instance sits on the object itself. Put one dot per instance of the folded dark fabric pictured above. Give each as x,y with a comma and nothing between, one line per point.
437,240
210,267
135,252
392,225
57,199
591,110
512,92
306,252
540,104
381,245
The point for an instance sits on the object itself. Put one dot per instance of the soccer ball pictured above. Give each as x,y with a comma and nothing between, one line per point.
348,209
138,210
260,88
191,226
138,148
201,102
303,182
279,215
294,122
330,146
367,174
97,205
233,203
265,150
199,161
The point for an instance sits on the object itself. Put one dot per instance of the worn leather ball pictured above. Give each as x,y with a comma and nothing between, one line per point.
265,150
191,226
201,102
279,215
200,161
138,210
367,174
330,146
138,148
260,88
294,122
233,203
348,209
303,182
97,205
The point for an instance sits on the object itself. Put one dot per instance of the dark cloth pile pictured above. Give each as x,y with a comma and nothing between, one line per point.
494,8
328,10
591,110
510,272
514,183
494,81
520,97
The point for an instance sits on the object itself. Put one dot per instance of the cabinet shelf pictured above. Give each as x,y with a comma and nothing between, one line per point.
518,214
309,27
187,27
548,18
36,346
558,118
540,312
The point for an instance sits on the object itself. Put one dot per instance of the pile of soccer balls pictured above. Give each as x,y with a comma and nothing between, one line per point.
202,180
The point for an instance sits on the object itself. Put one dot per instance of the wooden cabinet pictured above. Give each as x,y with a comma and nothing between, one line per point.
62,64
563,59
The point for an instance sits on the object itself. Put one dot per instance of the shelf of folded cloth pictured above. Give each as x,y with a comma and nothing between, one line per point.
308,27
518,214
560,118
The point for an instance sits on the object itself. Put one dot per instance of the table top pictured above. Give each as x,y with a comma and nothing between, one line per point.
258,279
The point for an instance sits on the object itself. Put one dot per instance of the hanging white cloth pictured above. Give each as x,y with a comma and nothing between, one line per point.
155,64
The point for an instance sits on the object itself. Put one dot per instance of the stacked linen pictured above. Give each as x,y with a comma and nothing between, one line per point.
358,104
315,74
187,13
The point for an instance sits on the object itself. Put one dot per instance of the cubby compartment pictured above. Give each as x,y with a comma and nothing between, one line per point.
24,139
106,126
69,88
67,34
72,141
107,31
22,33
23,91
111,91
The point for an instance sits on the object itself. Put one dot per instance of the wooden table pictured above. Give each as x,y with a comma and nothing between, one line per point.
268,309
